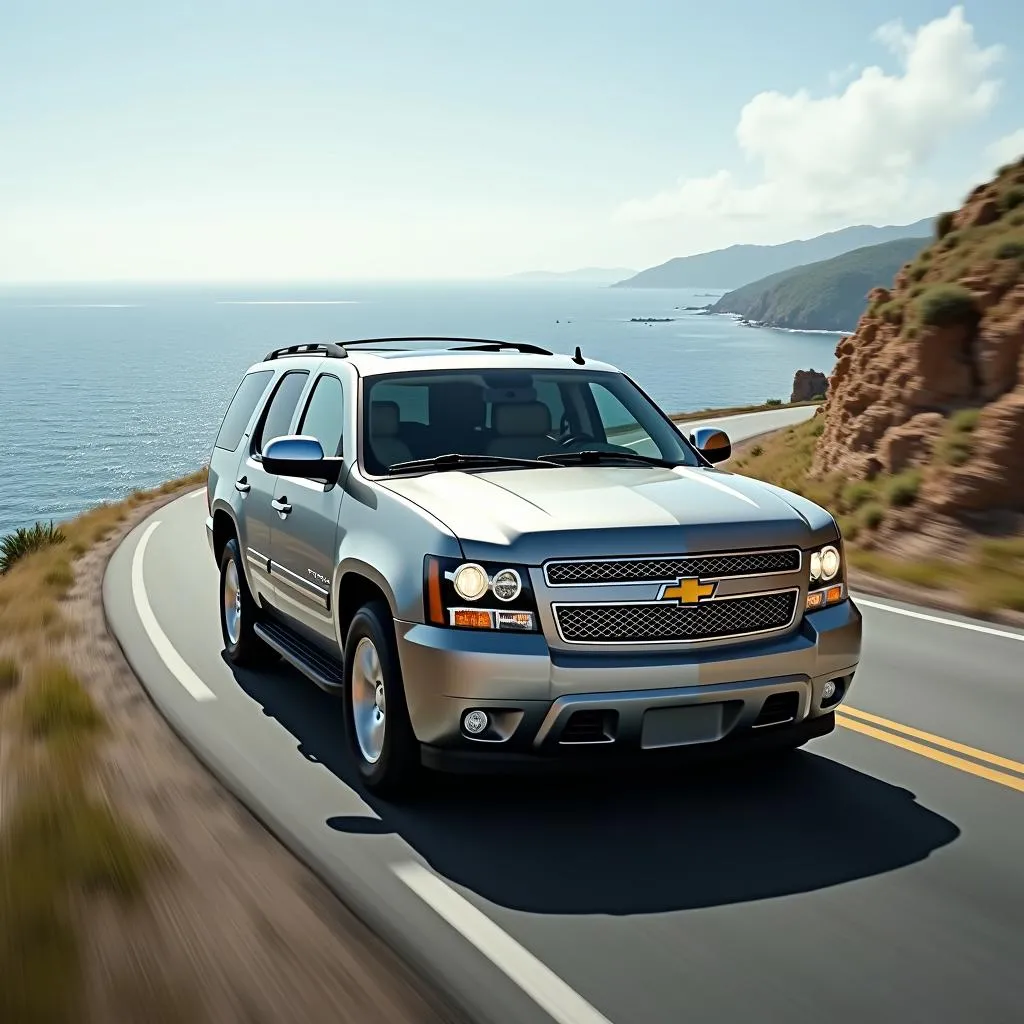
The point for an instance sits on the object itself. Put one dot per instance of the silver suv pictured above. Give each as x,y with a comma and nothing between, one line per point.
496,556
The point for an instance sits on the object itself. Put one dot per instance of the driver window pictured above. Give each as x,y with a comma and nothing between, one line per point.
324,417
620,425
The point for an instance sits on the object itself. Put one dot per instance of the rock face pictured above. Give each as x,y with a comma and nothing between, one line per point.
933,377
808,384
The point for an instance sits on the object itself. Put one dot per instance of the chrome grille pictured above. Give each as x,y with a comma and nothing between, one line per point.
662,622
588,572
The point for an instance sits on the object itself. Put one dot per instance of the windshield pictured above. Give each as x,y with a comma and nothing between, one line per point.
512,414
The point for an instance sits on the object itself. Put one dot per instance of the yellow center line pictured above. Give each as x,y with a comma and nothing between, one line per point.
960,763
941,741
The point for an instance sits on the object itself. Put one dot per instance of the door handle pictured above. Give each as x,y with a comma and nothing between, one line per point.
243,485
281,505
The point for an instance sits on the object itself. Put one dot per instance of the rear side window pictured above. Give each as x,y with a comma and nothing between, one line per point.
281,409
242,406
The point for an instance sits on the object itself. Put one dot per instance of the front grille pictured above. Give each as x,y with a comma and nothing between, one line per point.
661,622
663,569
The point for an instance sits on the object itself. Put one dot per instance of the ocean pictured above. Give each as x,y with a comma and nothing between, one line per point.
106,389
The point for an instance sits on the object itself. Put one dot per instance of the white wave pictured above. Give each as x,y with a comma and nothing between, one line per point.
82,305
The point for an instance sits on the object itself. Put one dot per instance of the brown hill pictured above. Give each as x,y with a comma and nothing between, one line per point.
919,447
931,384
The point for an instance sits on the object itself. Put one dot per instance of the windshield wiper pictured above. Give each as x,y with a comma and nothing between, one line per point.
457,460
596,455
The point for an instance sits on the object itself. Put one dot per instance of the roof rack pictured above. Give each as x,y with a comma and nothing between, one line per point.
339,350
328,348
462,344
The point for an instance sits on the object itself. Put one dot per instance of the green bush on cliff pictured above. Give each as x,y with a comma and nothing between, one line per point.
944,305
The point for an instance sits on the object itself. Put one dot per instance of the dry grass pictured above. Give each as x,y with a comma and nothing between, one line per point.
60,842
990,576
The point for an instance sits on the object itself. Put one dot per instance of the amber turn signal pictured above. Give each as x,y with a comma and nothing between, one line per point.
473,618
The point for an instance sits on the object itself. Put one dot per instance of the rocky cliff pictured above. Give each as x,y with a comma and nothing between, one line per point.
931,383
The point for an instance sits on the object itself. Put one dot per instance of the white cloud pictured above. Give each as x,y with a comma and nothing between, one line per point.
851,155
1005,150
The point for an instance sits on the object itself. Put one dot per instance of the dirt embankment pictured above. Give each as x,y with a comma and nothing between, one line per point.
133,887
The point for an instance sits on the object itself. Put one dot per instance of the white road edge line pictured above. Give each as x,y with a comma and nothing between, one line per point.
553,995
195,494
990,630
176,665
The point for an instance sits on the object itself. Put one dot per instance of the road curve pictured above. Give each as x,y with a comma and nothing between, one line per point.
878,877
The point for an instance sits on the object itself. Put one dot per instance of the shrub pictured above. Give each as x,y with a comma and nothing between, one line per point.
871,515
1010,250
25,540
756,450
944,305
964,419
902,489
1012,198
944,223
857,493
57,705
818,429
10,673
951,241
774,401
891,311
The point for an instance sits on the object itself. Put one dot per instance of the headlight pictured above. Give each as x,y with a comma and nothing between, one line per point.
827,579
471,595
470,581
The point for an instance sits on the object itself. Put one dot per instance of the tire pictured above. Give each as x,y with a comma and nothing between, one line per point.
383,746
239,613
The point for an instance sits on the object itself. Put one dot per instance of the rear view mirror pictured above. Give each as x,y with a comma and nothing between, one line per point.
713,444
300,456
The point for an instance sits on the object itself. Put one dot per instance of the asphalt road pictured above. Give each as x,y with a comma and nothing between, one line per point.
879,877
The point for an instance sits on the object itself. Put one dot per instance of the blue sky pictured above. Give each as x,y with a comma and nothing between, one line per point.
456,139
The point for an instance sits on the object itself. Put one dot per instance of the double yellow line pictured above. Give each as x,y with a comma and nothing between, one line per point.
938,748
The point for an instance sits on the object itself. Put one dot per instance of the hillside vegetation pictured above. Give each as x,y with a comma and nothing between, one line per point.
738,265
824,296
919,447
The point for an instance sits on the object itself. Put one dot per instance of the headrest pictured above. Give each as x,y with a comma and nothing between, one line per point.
456,401
384,419
521,419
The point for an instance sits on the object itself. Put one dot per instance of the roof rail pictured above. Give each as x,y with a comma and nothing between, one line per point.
468,344
329,349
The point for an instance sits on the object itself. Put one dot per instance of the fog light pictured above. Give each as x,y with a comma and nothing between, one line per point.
828,691
475,722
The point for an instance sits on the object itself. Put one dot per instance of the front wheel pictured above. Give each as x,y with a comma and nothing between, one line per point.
238,612
377,726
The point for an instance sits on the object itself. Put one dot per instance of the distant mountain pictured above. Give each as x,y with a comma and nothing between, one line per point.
740,264
589,275
829,295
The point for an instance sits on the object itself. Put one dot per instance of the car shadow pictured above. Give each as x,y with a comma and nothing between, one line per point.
630,842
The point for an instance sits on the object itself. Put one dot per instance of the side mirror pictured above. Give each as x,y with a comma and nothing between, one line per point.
301,456
713,444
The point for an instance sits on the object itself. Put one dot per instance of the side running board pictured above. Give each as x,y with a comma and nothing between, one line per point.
321,668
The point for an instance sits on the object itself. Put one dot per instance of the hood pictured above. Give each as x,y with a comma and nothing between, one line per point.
534,514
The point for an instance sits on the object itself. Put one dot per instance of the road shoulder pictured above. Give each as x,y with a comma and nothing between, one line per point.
239,925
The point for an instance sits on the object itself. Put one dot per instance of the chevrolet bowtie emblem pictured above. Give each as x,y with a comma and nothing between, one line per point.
686,591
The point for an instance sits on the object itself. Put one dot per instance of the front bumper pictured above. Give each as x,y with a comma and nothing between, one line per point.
544,703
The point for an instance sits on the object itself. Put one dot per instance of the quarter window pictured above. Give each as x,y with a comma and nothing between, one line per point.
324,417
281,409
